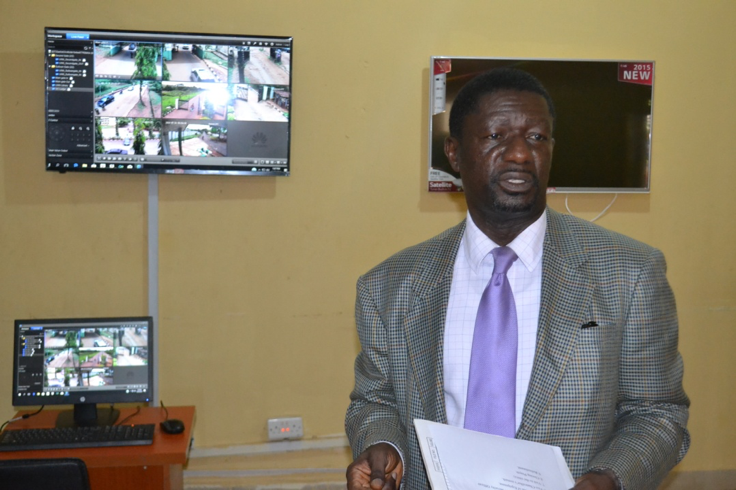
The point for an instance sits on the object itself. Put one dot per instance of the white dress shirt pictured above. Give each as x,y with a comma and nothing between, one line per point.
472,271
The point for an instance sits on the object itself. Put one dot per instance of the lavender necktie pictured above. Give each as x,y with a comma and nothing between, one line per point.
491,402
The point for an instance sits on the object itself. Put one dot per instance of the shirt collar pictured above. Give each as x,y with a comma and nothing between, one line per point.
527,246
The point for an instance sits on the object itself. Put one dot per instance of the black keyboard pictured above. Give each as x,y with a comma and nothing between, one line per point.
74,437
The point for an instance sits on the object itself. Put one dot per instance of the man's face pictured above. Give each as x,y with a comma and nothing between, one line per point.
504,156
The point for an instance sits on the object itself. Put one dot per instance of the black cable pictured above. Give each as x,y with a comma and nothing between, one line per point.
166,410
27,415
22,417
130,416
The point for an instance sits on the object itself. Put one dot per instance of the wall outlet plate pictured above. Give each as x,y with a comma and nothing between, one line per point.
285,428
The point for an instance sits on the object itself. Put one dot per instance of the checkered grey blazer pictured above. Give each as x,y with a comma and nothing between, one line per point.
609,395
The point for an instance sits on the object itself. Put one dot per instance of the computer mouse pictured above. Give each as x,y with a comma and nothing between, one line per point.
172,426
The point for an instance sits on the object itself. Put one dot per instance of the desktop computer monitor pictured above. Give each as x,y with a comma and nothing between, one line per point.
84,362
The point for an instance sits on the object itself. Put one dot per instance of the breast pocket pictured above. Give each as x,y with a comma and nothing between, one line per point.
592,373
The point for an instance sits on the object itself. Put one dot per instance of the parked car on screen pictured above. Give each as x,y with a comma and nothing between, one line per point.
117,151
105,100
201,75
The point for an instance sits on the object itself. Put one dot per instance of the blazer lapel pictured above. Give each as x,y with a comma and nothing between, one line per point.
566,291
425,324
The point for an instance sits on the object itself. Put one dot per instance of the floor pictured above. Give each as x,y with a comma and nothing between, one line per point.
300,468
310,469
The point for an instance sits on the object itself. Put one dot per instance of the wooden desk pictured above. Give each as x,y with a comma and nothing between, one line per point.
158,466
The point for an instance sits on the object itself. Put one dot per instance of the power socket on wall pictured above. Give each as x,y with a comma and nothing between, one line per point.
285,428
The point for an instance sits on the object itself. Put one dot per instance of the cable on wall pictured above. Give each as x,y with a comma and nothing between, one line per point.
601,213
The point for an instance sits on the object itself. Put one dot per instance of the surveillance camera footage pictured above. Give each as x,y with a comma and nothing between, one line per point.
148,102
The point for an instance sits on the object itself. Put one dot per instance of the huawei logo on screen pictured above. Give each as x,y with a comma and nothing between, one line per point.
259,139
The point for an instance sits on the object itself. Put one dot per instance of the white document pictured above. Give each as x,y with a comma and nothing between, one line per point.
461,459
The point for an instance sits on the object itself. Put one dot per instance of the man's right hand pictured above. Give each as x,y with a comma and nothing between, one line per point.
379,468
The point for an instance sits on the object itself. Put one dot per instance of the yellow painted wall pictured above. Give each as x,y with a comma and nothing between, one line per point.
257,274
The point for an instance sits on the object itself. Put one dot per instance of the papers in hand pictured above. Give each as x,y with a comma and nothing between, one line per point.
461,459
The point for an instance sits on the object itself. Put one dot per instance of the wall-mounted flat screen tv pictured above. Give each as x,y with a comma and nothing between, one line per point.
165,102
602,130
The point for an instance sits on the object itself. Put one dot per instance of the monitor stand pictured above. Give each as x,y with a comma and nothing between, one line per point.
87,415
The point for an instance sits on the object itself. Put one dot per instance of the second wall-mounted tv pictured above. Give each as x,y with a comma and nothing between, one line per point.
602,130
165,102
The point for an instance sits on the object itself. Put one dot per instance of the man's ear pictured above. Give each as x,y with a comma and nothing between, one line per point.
451,148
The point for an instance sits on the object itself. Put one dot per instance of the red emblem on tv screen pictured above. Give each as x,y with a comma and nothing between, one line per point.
442,66
640,73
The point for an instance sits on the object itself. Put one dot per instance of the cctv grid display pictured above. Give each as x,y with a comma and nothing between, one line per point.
82,361
167,102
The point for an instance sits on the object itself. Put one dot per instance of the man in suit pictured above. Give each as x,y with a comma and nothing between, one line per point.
597,371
